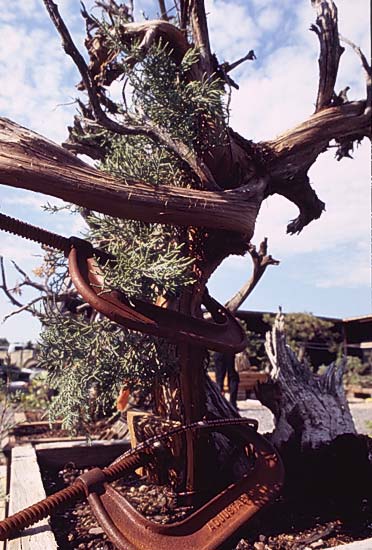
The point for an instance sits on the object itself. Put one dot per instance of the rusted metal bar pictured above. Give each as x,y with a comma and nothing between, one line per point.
223,333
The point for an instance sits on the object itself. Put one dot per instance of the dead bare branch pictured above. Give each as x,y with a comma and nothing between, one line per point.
193,11
132,127
19,269
29,161
298,148
26,307
4,286
326,28
163,10
27,281
231,66
366,66
261,260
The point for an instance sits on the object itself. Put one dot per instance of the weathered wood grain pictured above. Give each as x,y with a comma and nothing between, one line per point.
26,488
99,453
30,161
3,490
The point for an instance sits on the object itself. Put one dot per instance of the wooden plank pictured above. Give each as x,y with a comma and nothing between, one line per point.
359,391
26,488
3,489
365,544
98,453
34,440
19,417
36,424
131,418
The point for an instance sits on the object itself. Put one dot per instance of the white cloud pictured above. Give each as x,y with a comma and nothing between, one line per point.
233,31
356,275
19,250
269,18
32,200
37,83
267,102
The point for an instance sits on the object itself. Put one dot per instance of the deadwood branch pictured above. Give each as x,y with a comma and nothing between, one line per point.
4,286
261,260
150,31
326,28
367,69
291,155
29,161
296,150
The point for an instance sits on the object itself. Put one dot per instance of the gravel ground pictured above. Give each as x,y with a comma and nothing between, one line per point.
251,408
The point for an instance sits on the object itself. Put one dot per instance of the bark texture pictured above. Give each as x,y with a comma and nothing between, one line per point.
309,410
29,161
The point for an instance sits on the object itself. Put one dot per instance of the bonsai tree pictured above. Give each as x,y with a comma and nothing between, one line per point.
174,192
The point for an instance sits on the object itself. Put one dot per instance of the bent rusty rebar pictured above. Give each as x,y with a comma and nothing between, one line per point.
223,333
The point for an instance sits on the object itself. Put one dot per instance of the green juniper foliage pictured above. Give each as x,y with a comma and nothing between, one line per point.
88,357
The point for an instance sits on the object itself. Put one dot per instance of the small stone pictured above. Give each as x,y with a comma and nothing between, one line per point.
95,531
242,545
317,544
142,488
262,538
162,501
259,546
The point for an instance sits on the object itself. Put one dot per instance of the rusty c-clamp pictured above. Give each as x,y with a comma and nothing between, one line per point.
213,523
223,333
205,529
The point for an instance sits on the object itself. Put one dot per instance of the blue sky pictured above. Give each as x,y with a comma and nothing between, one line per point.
326,269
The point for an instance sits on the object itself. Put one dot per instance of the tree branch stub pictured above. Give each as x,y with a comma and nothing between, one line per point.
261,260
310,409
326,29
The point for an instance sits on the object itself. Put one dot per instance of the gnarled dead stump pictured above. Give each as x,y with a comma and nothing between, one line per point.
309,409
